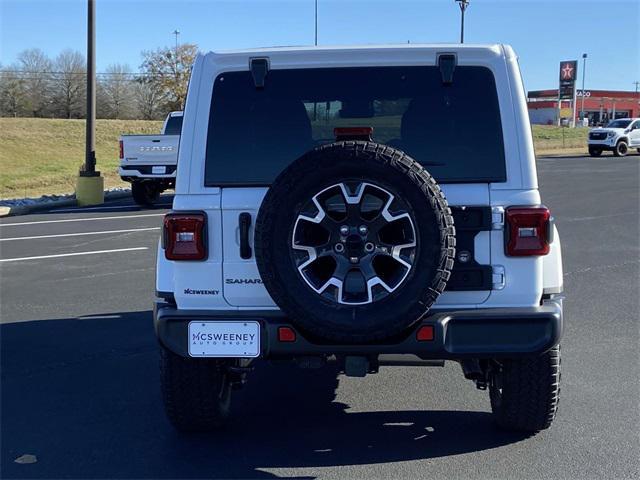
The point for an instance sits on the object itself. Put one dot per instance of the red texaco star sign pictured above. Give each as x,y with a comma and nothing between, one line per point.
567,71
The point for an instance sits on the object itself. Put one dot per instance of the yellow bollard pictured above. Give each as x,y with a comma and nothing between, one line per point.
90,190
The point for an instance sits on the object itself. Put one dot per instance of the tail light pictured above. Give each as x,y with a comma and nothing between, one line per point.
184,236
121,150
528,231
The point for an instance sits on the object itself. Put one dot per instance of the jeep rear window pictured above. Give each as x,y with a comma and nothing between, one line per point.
453,130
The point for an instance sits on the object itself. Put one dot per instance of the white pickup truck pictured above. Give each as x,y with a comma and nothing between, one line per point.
618,137
149,162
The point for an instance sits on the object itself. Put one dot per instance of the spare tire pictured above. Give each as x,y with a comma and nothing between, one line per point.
354,241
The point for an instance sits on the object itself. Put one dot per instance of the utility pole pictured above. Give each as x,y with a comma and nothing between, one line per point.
636,83
90,185
463,4
316,23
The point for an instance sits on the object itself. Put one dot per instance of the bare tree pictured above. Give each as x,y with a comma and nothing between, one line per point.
116,93
168,69
148,99
69,84
12,91
36,67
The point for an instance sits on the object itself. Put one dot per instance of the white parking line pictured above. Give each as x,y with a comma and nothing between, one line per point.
85,219
73,254
80,234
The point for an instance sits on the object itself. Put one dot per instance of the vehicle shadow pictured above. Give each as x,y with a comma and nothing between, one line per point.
115,205
82,395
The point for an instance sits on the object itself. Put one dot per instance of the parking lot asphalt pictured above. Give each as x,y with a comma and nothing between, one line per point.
79,376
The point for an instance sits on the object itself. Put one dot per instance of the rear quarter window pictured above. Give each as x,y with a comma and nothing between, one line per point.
454,131
174,126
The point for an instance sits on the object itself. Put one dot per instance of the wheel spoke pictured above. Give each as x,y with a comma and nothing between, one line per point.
351,247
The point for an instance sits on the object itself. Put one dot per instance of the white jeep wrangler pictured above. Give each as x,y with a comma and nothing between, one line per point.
334,205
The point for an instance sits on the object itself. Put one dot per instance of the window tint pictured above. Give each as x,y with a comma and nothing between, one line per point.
454,131
174,126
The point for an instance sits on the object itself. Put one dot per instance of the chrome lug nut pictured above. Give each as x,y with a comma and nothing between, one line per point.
338,247
344,230
369,247
363,229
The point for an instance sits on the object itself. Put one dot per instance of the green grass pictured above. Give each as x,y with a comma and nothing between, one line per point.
548,138
42,156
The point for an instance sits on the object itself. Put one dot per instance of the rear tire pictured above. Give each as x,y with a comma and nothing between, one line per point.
196,391
145,193
525,392
621,149
595,151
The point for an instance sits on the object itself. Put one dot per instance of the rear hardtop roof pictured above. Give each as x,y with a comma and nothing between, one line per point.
300,53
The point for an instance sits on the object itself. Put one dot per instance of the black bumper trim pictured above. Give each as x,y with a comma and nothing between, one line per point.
148,169
478,333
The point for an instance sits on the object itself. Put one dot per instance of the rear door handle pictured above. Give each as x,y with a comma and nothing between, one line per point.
244,222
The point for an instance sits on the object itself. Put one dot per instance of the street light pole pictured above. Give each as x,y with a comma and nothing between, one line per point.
89,184
463,6
316,23
176,32
584,71
90,150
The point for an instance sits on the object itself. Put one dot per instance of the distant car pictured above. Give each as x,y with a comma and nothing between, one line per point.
149,162
618,137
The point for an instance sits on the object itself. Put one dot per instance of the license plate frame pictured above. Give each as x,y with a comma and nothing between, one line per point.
224,339
159,170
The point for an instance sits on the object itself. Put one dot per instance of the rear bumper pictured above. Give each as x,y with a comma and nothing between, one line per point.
129,172
479,333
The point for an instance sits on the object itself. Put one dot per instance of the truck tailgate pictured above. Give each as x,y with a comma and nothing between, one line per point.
150,149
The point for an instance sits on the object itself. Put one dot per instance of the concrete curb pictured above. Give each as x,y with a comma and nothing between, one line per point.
7,211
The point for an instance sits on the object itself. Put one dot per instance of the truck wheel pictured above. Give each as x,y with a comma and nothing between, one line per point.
144,193
196,391
621,149
525,392
369,242
595,151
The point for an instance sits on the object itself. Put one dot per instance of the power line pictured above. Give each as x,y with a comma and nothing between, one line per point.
130,74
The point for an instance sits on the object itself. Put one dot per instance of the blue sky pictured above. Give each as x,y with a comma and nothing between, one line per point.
543,32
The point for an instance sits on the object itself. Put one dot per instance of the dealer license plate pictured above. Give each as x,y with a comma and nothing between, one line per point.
158,170
224,339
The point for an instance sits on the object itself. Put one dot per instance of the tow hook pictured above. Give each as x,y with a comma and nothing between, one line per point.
478,371
237,374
